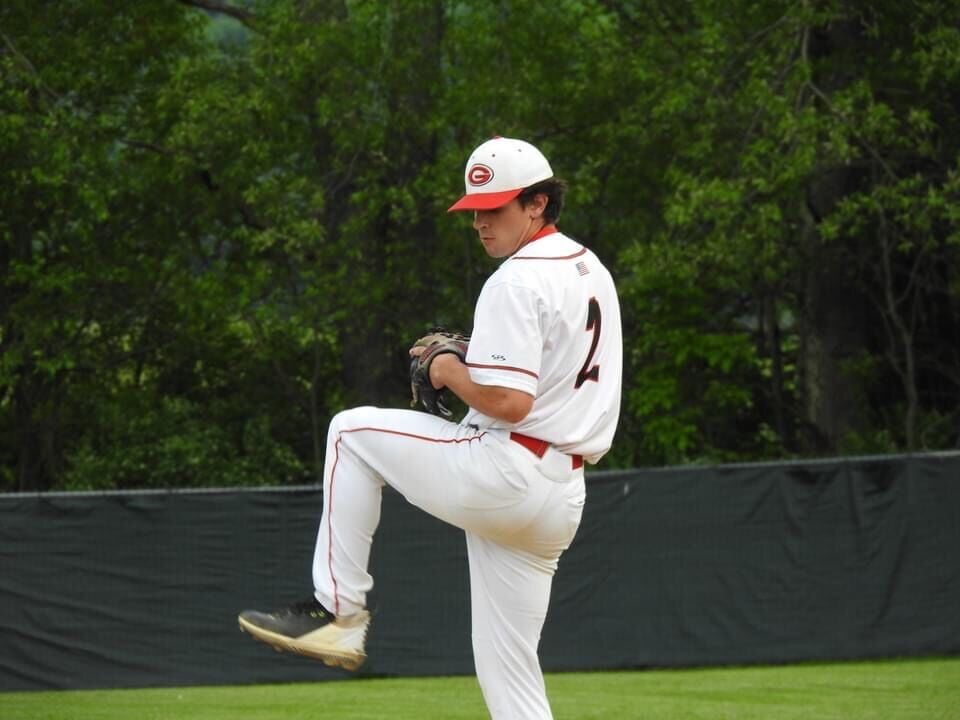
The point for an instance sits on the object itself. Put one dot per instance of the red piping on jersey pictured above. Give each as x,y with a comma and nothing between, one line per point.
333,470
502,367
542,232
564,257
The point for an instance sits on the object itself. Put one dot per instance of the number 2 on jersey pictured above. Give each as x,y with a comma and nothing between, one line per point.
593,323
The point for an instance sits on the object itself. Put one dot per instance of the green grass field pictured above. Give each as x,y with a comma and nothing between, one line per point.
926,689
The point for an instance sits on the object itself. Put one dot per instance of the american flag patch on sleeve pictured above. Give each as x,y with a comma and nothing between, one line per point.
582,268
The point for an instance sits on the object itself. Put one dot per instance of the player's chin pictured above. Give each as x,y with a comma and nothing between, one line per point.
492,247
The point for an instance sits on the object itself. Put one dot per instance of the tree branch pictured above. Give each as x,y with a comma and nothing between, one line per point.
25,63
224,8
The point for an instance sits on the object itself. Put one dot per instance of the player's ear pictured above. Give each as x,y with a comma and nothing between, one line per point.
538,204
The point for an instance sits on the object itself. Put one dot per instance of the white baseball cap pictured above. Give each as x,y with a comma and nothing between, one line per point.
498,171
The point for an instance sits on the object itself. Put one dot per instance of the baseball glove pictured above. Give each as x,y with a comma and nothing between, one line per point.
437,342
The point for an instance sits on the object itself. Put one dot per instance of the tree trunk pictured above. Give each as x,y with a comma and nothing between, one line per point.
833,329
834,310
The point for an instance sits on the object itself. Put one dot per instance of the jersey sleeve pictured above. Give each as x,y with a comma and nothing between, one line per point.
506,342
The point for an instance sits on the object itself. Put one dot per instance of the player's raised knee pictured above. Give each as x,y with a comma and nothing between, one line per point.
353,418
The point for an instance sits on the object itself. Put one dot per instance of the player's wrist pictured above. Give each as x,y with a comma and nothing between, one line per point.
440,369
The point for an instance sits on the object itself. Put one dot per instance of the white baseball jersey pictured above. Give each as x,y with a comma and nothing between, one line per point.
548,323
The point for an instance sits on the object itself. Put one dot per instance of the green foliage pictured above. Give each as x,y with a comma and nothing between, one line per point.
214,235
691,368
806,147
169,442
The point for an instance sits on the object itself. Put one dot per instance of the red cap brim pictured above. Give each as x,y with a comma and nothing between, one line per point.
484,201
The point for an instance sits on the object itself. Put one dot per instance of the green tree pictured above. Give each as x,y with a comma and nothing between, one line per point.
223,222
807,236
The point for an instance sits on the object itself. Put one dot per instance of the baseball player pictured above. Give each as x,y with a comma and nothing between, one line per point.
541,374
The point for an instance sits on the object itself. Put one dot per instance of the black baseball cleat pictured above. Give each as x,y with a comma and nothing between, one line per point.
307,628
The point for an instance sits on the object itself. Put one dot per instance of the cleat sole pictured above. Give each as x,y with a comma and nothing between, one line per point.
331,657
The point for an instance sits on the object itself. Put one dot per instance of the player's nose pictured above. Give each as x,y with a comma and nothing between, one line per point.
479,221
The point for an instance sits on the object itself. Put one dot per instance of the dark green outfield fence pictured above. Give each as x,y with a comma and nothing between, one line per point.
763,563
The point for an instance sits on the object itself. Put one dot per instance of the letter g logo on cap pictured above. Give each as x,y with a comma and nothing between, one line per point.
479,175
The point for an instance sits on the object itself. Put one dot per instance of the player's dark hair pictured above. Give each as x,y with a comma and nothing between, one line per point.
554,189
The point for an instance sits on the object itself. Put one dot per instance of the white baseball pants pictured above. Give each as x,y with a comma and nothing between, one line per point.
519,511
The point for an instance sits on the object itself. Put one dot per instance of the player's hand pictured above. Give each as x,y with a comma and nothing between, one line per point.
426,375
415,352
